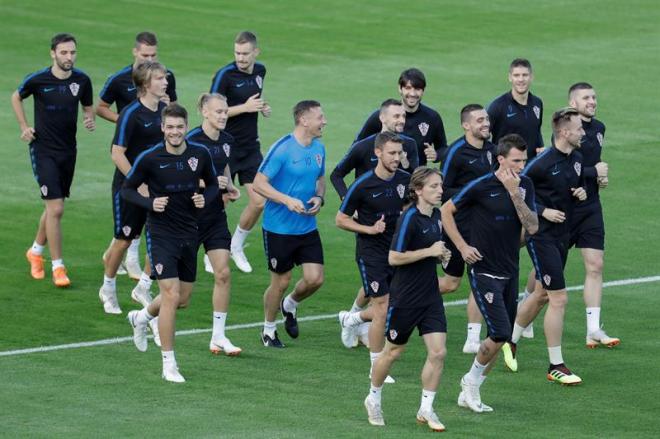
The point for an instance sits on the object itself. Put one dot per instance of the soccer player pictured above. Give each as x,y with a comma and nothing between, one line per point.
213,229
120,89
423,123
469,157
378,197
501,205
587,226
172,171
57,91
138,129
242,83
558,178
415,300
291,177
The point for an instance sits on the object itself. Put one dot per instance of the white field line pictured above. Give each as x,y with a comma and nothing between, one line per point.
110,341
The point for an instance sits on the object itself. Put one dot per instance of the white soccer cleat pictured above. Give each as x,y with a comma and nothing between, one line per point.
218,346
471,398
471,347
431,419
462,403
171,374
132,265
108,298
528,332
207,264
239,258
374,413
153,325
600,338
141,295
139,331
349,336
363,333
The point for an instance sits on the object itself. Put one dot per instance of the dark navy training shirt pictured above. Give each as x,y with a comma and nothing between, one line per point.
507,116
119,88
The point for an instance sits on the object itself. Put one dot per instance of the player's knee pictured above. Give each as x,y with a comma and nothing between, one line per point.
449,284
393,354
594,266
55,210
437,354
281,283
183,302
222,275
314,280
558,299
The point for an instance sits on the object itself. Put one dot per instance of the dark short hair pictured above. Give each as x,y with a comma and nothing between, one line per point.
509,142
303,107
174,110
469,108
414,76
246,37
387,103
143,72
520,62
579,86
385,136
62,38
561,117
146,38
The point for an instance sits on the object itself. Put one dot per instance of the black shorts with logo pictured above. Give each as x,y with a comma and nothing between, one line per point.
549,259
53,171
129,218
172,257
285,251
214,232
401,322
376,273
587,227
497,299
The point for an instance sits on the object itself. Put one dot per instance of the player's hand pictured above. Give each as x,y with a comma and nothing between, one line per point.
602,169
254,104
602,182
553,215
509,179
445,255
539,150
160,203
28,134
405,163
266,110
579,193
294,205
379,226
143,190
429,152
316,205
89,123
198,200
470,254
233,193
223,181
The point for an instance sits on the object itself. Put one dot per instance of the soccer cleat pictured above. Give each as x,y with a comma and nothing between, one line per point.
108,298
171,374
431,419
239,258
463,403
132,267
141,295
220,345
363,333
349,336
60,279
207,264
139,332
528,332
153,325
561,374
510,360
471,398
599,337
290,321
374,413
271,342
471,347
36,265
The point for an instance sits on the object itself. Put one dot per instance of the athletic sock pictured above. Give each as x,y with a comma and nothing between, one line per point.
354,319
517,332
373,356
474,332
555,355
143,317
238,238
593,319
476,372
290,305
109,282
426,404
145,281
270,328
219,319
168,358
375,393
57,263
356,307
133,249
37,249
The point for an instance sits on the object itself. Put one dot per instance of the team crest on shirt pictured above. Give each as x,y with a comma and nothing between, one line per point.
393,334
126,230
44,190
260,81
74,87
578,168
547,279
401,190
226,148
374,286
522,191
273,263
489,156
489,297
537,111
423,128
159,268
599,137
319,160
192,162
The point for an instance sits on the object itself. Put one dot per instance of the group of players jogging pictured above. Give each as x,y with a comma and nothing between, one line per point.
499,188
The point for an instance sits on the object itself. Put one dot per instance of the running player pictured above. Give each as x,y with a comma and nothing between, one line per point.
501,204
57,91
172,172
415,300
291,177
242,83
423,123
138,129
377,197
213,229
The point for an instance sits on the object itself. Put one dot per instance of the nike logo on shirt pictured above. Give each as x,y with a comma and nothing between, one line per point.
425,231
131,88
556,172
495,194
164,166
240,84
472,161
147,125
46,90
509,115
374,159
376,195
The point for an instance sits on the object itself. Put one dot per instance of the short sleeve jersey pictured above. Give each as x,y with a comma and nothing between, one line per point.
292,169
237,87
416,285
507,116
56,107
119,88
495,226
